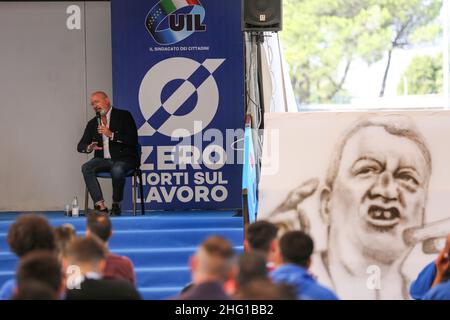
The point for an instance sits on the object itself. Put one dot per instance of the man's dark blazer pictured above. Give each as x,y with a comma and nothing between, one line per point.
123,146
101,289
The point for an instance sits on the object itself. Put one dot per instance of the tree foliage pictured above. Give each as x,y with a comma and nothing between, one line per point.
423,76
323,38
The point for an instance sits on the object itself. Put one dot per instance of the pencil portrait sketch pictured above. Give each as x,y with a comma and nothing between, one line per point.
371,205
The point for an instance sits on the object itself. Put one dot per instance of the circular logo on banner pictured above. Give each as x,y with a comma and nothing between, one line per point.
167,26
177,92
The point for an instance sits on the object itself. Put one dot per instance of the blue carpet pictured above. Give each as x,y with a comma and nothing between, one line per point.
159,244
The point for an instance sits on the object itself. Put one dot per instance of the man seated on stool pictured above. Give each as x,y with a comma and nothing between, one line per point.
112,135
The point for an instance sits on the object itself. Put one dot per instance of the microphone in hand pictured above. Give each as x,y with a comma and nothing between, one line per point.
99,118
98,137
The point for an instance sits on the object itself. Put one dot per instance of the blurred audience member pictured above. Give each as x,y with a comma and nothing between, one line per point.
251,266
28,233
117,267
429,276
35,290
212,265
441,285
87,260
296,248
64,235
38,272
262,236
253,282
264,289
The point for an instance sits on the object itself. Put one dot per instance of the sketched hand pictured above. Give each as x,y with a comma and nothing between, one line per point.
298,195
292,202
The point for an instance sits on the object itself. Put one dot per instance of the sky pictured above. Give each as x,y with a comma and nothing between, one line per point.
373,75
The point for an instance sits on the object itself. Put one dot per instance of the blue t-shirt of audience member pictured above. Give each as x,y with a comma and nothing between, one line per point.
439,292
307,288
422,284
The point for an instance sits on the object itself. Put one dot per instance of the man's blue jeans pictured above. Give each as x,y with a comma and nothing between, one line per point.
118,171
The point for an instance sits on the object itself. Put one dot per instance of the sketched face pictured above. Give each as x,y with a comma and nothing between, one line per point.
100,103
379,191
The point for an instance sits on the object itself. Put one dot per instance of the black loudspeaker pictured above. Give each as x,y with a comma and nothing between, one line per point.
262,15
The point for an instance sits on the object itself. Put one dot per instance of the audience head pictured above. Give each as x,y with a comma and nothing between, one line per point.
64,235
30,232
296,247
262,236
213,261
39,271
35,290
99,225
88,254
251,265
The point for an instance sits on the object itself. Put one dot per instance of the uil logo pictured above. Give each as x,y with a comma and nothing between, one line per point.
171,21
177,92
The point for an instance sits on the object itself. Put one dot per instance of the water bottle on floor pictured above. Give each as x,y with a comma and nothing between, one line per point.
75,207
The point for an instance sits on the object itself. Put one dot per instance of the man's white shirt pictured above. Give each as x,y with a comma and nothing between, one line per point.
106,153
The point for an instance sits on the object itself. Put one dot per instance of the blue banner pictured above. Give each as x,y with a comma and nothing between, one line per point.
178,67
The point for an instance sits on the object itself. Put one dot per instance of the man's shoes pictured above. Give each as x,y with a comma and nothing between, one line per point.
115,210
97,208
